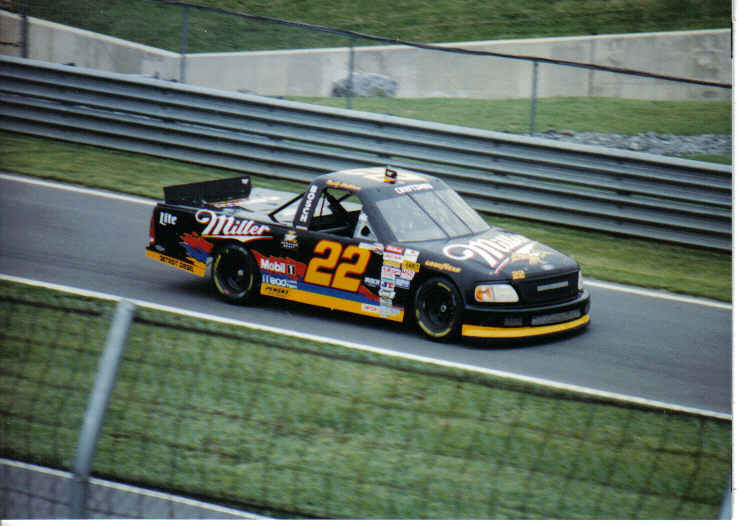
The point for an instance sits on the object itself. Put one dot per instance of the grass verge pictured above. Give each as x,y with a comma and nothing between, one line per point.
257,420
644,263
601,114
159,24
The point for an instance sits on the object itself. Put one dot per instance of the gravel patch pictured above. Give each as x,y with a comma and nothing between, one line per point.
651,142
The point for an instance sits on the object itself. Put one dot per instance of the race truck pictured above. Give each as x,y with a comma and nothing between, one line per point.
382,242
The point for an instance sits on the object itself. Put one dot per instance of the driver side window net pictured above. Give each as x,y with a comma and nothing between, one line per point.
337,212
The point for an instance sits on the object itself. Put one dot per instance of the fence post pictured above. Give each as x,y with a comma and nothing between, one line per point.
726,510
183,42
97,405
350,84
533,97
24,28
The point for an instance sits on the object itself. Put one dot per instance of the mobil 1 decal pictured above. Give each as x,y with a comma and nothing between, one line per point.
279,271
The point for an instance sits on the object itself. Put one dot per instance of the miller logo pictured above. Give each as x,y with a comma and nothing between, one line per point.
493,251
228,227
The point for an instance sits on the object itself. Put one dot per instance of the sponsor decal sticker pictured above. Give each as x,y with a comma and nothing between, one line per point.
387,311
195,267
271,290
342,185
307,206
410,266
377,248
280,266
494,251
442,266
413,188
370,308
518,274
289,242
371,282
389,271
279,282
222,226
394,258
402,283
165,219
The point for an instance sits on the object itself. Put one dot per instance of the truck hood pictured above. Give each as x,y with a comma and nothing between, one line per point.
500,255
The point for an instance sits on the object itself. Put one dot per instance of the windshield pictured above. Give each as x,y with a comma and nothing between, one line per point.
427,216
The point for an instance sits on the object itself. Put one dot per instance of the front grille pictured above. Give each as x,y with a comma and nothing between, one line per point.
549,290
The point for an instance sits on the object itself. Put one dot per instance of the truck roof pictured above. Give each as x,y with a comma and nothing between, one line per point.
378,179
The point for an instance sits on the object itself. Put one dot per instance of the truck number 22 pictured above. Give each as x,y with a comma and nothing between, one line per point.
347,276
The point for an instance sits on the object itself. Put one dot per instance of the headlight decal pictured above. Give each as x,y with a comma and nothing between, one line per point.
495,293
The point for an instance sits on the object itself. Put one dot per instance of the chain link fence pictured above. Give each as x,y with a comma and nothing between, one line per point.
519,86
255,420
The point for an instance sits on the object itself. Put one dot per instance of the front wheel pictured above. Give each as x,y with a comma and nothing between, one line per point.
235,274
438,308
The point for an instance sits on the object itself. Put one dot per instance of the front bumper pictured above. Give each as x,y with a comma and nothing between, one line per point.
513,322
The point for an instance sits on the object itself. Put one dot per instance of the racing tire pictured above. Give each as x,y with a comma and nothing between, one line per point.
438,308
235,274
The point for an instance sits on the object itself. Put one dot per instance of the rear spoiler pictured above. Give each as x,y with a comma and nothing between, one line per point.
196,194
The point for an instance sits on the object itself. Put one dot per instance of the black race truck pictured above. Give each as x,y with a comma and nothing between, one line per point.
381,242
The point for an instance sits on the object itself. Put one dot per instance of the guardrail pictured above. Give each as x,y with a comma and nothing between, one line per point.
635,194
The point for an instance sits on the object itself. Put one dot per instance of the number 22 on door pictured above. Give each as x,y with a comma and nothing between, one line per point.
324,269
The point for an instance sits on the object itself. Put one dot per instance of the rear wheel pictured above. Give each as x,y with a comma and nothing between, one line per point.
438,308
235,274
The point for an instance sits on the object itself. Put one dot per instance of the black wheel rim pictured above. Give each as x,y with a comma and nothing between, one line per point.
438,307
234,272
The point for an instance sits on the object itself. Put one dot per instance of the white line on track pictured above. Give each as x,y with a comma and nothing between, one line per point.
703,302
144,201
378,350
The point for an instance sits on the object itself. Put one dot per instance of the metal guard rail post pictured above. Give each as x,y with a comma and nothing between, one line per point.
622,192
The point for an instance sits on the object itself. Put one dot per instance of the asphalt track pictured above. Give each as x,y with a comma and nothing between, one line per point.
643,345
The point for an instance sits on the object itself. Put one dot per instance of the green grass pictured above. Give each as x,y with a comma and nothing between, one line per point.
607,115
452,21
644,263
722,159
262,421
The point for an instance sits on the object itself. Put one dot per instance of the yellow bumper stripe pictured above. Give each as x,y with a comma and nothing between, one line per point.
195,267
331,302
478,331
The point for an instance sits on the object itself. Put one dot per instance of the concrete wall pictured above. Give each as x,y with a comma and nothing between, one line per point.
701,55
51,42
